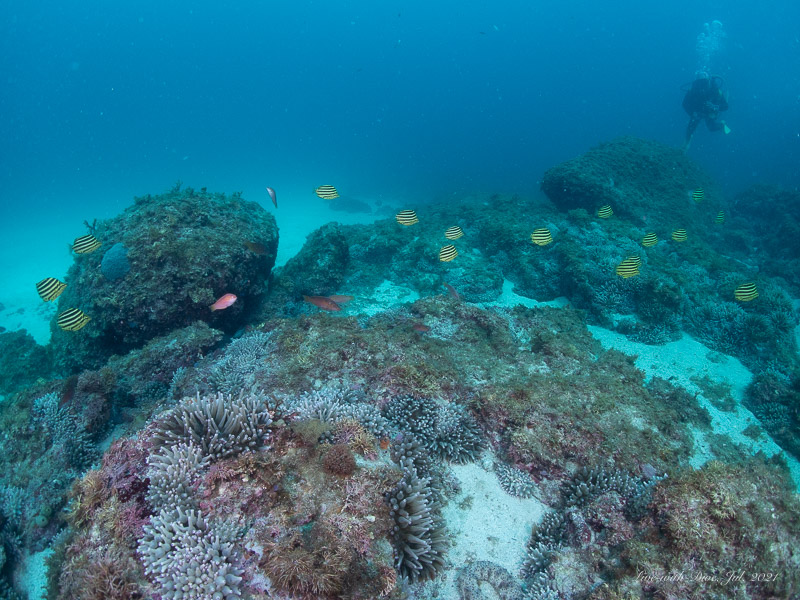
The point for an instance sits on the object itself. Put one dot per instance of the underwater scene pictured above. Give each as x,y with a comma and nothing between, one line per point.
400,301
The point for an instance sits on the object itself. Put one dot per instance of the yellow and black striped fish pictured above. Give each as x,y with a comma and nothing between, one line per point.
50,288
629,267
679,235
720,218
650,239
746,292
326,192
407,217
698,195
448,253
454,232
85,244
541,236
604,212
73,319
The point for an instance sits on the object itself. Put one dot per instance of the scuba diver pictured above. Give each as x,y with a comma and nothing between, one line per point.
705,99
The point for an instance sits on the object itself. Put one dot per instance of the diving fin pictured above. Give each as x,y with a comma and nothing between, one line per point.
726,129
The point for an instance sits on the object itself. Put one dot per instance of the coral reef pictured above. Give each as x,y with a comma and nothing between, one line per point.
220,425
185,250
115,264
22,361
504,585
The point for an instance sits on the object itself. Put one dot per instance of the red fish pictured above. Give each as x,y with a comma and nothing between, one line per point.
341,299
322,302
421,327
272,196
223,302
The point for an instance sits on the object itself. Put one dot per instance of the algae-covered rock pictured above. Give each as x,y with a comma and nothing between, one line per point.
185,250
637,178
22,361
318,269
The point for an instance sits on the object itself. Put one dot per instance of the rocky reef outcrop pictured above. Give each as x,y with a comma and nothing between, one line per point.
174,255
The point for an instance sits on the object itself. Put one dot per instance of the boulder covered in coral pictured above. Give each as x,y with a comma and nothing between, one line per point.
638,179
184,250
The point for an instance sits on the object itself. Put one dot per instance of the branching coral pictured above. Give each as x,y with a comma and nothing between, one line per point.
503,583
447,430
172,471
220,425
418,533
189,558
515,482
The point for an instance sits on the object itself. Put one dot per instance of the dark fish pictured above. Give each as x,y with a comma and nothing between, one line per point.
746,292
326,192
272,196
451,290
256,248
454,232
448,253
85,244
541,236
322,302
629,267
679,235
698,195
604,212
72,319
421,327
650,239
720,218
407,217
50,288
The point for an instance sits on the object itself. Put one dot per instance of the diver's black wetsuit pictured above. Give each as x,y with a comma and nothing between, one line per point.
705,100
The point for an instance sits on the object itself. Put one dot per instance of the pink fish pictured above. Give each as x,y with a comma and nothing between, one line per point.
223,302
272,195
451,290
322,302
421,327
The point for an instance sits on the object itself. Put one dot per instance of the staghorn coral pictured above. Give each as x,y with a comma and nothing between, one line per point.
220,425
189,558
515,482
243,359
546,538
173,471
447,430
418,533
501,581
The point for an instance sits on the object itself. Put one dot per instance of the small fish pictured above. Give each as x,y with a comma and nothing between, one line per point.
541,236
698,195
323,302
50,288
341,299
454,232
746,292
604,212
629,267
421,327
650,239
272,196
326,192
679,235
72,319
223,302
85,244
256,247
451,290
720,218
448,253
407,217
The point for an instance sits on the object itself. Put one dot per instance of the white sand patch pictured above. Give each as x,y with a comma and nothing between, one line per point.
678,362
31,576
508,299
483,523
383,297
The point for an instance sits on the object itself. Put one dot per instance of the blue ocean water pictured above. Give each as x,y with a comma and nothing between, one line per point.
101,101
